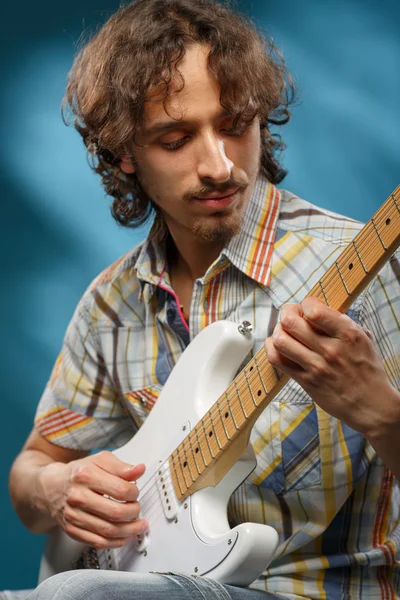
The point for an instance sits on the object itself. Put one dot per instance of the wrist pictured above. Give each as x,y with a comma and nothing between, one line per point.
45,494
386,425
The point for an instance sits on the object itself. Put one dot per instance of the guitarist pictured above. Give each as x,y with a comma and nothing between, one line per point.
174,100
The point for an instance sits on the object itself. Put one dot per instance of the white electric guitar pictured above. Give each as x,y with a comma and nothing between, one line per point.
195,441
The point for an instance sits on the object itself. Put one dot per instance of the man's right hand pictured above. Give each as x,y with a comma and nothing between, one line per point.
93,499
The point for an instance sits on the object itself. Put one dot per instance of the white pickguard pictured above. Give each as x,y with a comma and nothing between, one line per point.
193,536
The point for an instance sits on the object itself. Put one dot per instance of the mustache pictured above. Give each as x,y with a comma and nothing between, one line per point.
221,188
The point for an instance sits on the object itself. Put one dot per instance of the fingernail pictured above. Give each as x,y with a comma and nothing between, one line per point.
145,525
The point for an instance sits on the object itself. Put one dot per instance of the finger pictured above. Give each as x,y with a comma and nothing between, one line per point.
134,473
280,361
291,309
293,322
103,507
110,463
89,475
369,334
292,349
325,319
92,539
103,527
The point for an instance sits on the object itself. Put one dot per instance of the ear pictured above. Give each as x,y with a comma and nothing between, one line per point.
126,165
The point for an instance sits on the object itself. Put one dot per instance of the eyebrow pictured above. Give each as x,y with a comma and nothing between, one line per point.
169,125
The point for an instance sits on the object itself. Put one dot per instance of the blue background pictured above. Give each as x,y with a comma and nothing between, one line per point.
56,230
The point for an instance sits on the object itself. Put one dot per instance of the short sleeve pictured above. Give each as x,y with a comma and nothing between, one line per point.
80,407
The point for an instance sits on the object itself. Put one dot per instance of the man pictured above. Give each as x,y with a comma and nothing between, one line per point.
174,99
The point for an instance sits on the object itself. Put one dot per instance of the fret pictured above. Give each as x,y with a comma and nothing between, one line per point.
342,278
378,234
182,466
231,411
215,429
359,256
240,400
195,452
249,386
324,293
189,439
187,460
200,442
211,436
172,463
266,392
223,422
207,440
199,446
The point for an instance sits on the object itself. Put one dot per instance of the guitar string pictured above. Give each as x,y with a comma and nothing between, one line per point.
227,406
370,236
327,282
237,393
190,449
160,512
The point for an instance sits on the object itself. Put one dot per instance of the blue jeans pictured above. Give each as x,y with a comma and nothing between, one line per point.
90,584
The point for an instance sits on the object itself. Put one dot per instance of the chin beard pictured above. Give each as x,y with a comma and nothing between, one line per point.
219,229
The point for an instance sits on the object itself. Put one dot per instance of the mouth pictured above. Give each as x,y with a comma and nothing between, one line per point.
218,201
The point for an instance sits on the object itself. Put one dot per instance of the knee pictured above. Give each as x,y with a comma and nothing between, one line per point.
71,585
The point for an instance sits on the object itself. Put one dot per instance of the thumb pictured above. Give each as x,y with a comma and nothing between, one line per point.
132,472
110,463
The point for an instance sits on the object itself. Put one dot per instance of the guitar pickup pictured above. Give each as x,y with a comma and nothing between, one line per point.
167,492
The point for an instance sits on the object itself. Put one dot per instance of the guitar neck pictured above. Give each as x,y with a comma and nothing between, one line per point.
217,441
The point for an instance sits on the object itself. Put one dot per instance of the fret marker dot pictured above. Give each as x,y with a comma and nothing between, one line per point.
226,415
196,450
210,433
185,464
350,266
251,368
259,393
387,221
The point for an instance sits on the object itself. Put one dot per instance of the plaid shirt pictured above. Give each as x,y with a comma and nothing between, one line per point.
318,483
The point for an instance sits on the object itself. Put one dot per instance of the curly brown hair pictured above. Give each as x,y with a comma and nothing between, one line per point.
141,46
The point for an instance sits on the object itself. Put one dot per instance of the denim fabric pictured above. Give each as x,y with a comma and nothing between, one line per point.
112,585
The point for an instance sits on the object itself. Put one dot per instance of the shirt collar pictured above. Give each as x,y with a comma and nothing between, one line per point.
250,251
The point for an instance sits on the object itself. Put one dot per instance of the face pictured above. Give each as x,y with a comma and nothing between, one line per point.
195,167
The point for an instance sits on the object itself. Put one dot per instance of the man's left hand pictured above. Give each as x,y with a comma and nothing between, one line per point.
336,363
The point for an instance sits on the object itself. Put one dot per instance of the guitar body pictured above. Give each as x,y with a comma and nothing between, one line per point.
190,536
190,533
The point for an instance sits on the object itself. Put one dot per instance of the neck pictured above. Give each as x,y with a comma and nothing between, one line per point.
191,257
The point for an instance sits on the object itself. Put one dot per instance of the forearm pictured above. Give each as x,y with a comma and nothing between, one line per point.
51,485
385,435
26,490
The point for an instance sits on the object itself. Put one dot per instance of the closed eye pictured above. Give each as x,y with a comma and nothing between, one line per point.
175,144
239,130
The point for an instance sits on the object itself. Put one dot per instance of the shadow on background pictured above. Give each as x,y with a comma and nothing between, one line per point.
56,230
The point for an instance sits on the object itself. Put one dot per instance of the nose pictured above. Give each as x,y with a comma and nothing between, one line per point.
213,163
